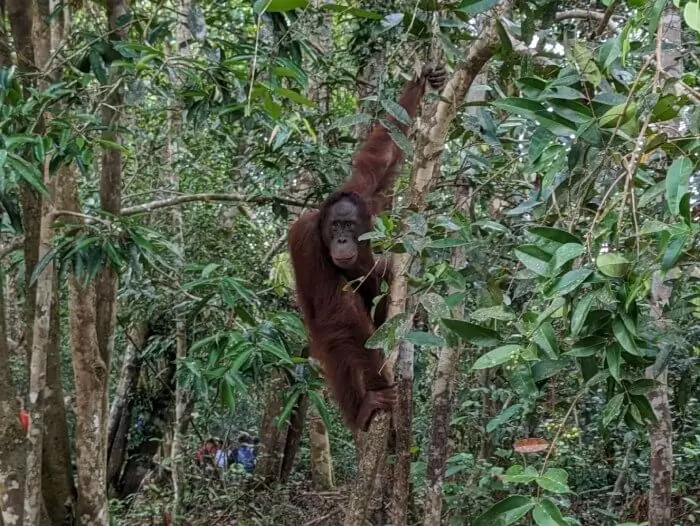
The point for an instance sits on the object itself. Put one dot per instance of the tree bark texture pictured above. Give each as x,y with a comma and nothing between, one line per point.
400,496
120,412
12,439
321,458
58,489
90,374
182,395
272,436
37,375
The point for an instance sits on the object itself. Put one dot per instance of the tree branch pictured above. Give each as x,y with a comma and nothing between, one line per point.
174,201
586,14
9,249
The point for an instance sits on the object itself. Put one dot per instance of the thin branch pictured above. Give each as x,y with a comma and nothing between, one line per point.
273,249
585,14
9,249
174,201
606,17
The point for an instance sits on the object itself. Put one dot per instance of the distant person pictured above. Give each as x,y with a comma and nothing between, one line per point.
245,453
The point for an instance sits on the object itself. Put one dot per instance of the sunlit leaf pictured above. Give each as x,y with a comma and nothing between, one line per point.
612,264
546,513
496,357
581,310
554,480
677,178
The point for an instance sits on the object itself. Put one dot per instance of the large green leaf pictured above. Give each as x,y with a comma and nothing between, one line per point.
474,334
554,480
496,357
580,312
496,514
612,409
612,264
534,258
546,513
677,178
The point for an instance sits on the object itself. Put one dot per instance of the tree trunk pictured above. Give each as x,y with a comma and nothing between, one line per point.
37,376
321,458
441,404
120,412
272,436
12,439
182,395
57,475
294,435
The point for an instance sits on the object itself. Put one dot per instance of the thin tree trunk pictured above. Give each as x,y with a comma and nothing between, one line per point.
37,378
58,490
295,430
120,412
12,439
272,436
182,395
321,458
441,404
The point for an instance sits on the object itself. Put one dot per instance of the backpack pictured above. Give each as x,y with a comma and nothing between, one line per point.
246,458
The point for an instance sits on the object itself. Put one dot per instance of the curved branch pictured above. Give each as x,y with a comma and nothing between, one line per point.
181,199
9,249
586,14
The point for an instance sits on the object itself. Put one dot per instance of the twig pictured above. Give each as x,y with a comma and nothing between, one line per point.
174,201
606,17
324,517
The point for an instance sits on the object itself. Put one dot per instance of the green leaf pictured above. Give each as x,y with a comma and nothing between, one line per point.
288,407
583,57
612,355
517,475
496,357
295,96
546,340
546,513
612,409
98,67
503,417
278,6
518,504
571,281
578,318
227,398
620,113
554,480
474,7
564,254
673,251
646,412
547,368
691,14
557,304
524,107
352,120
498,312
534,259
623,337
448,242
677,178
397,111
321,408
556,235
612,264
643,386
391,331
586,347
424,339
